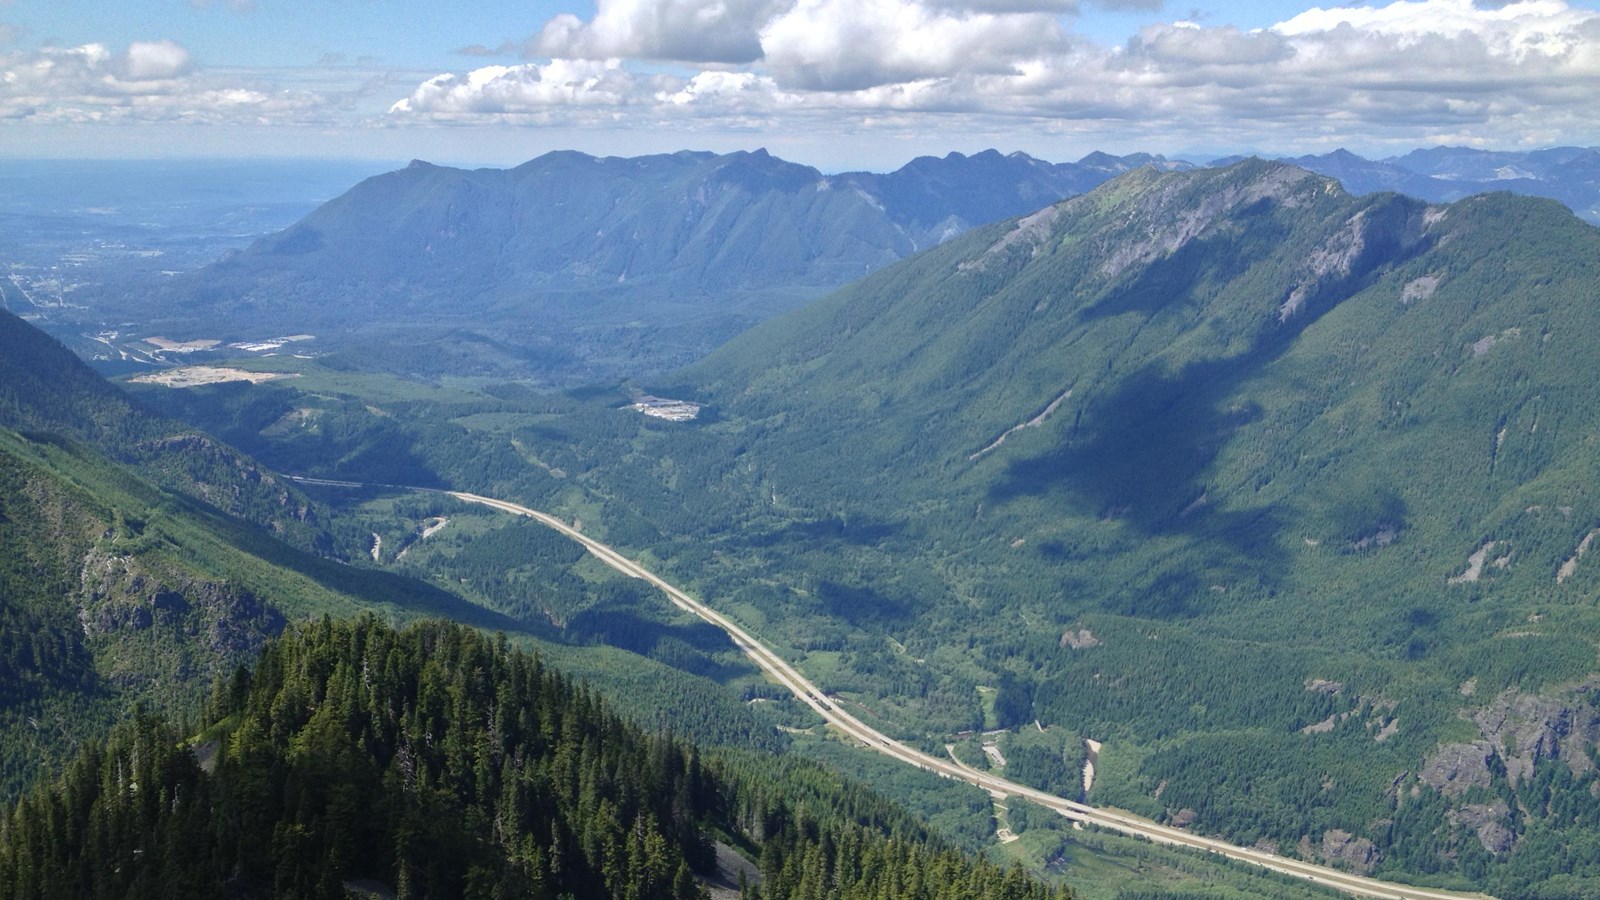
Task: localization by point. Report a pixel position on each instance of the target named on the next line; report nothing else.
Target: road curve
(1125, 823)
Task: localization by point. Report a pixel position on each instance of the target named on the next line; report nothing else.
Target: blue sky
(837, 83)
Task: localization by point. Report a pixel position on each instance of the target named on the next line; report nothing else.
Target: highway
(813, 696)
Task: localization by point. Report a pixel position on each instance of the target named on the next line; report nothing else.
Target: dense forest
(436, 761)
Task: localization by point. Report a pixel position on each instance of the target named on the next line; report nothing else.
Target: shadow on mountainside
(1142, 451)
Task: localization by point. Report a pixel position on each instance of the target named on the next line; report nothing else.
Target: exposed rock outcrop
(173, 624)
(1525, 730)
(1454, 769)
(1344, 849)
(1491, 822)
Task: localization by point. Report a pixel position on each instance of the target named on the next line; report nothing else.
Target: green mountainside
(125, 601)
(435, 762)
(45, 388)
(121, 580)
(113, 589)
(1283, 494)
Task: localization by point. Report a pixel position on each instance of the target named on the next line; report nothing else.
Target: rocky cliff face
(1520, 734)
(152, 625)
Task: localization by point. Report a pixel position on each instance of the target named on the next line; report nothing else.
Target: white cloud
(1412, 72)
(1409, 72)
(528, 91)
(1059, 7)
(1186, 44)
(150, 81)
(714, 31)
(842, 45)
(154, 60)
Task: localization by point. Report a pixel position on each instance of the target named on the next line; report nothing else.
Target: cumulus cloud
(841, 45)
(154, 60)
(1410, 71)
(706, 31)
(1187, 44)
(1417, 71)
(531, 90)
(1059, 7)
(149, 81)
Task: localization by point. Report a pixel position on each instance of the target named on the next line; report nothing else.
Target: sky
(840, 84)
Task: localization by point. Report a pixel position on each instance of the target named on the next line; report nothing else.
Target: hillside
(45, 388)
(436, 762)
(123, 576)
(588, 267)
(1283, 493)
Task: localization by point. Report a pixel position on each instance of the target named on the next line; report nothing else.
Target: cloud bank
(159, 83)
(1415, 70)
(1405, 73)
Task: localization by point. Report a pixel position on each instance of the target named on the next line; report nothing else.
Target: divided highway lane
(812, 696)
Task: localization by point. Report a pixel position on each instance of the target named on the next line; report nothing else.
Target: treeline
(438, 762)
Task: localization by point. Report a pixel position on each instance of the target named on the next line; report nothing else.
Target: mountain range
(1568, 174)
(1211, 462)
(572, 268)
(577, 267)
(1281, 492)
(452, 764)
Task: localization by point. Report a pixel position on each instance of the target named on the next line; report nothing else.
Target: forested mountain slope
(112, 590)
(46, 389)
(436, 762)
(114, 587)
(586, 266)
(1287, 492)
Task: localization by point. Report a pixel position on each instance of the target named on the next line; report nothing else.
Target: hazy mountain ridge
(589, 267)
(598, 268)
(1442, 174)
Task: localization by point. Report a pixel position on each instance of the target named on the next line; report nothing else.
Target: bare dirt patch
(1419, 288)
(1034, 422)
(1570, 567)
(1474, 565)
(1090, 757)
(194, 376)
(171, 346)
(1082, 639)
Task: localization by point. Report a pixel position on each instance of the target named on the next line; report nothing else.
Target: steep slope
(44, 388)
(116, 588)
(934, 199)
(434, 762)
(586, 266)
(1288, 489)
